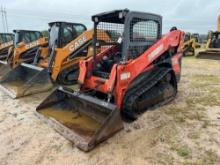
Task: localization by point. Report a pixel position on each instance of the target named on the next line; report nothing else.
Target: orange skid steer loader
(58, 63)
(137, 70)
(26, 44)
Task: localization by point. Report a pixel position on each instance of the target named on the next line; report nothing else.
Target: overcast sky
(193, 16)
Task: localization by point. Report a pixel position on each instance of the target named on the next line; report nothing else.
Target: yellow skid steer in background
(212, 49)
(192, 42)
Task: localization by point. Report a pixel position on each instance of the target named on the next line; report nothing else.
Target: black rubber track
(64, 76)
(151, 86)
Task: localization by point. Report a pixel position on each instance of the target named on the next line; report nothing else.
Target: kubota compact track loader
(58, 63)
(137, 70)
(212, 49)
(26, 44)
(6, 41)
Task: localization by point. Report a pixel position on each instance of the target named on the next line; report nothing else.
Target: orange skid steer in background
(57, 63)
(137, 69)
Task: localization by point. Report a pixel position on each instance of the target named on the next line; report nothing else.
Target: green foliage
(183, 151)
(45, 33)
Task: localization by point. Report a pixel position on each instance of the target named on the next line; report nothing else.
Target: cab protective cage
(125, 23)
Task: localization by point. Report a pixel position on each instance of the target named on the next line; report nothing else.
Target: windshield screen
(53, 36)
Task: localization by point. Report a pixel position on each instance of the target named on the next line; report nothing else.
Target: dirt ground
(187, 131)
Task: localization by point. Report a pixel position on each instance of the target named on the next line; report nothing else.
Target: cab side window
(71, 32)
(38, 35)
(9, 38)
(68, 34)
(26, 37)
(79, 29)
(31, 36)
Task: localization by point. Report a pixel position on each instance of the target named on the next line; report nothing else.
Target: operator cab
(26, 36)
(131, 34)
(196, 37)
(187, 37)
(62, 33)
(215, 40)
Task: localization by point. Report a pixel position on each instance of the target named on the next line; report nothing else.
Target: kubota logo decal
(6, 44)
(78, 43)
(125, 76)
(32, 44)
(153, 54)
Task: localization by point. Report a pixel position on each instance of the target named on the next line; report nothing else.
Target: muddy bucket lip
(13, 93)
(31, 66)
(3, 62)
(67, 133)
(112, 123)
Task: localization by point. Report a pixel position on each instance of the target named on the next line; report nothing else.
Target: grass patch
(190, 112)
(210, 100)
(208, 78)
(173, 110)
(193, 135)
(190, 103)
(180, 118)
(183, 151)
(195, 115)
(205, 124)
(210, 97)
